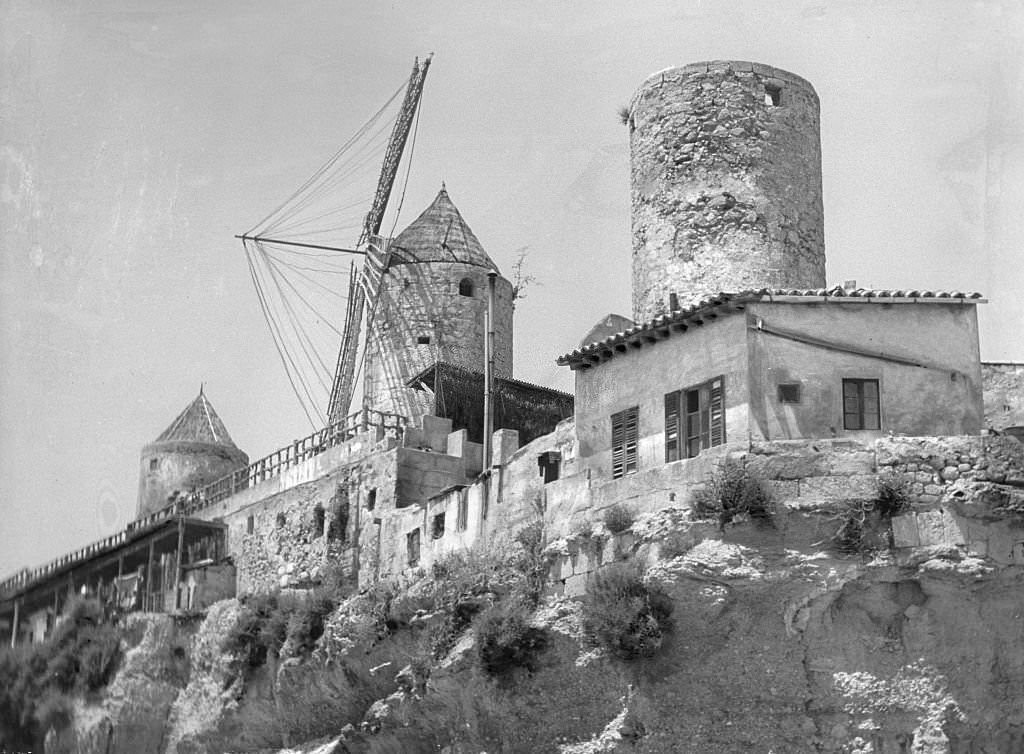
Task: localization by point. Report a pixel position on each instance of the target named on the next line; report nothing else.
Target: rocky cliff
(832, 625)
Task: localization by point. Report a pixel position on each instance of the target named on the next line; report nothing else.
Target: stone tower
(725, 184)
(191, 453)
(431, 308)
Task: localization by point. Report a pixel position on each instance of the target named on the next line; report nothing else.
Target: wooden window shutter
(717, 411)
(672, 426)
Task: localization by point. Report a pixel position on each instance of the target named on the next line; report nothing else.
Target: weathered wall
(422, 300)
(1003, 385)
(942, 399)
(682, 360)
(167, 468)
(726, 189)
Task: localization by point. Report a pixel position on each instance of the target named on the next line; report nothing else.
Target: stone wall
(421, 302)
(1004, 394)
(726, 184)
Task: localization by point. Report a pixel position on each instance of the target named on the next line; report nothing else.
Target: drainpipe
(489, 371)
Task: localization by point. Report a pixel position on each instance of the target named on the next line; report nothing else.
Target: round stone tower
(431, 309)
(726, 184)
(191, 453)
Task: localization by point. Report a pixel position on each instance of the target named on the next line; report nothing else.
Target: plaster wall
(1003, 394)
(167, 468)
(725, 187)
(423, 301)
(680, 361)
(941, 398)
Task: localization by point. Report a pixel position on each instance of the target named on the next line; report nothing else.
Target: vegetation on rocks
(624, 615)
(855, 522)
(278, 624)
(732, 491)
(618, 518)
(80, 657)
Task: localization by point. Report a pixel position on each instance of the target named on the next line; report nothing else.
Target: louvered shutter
(717, 411)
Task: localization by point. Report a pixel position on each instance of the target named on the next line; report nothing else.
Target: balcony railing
(265, 468)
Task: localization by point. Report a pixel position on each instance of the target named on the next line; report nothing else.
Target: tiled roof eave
(727, 303)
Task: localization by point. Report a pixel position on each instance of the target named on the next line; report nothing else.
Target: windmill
(279, 278)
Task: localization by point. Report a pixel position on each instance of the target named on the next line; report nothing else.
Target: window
(437, 527)
(371, 499)
(549, 463)
(280, 520)
(772, 95)
(624, 441)
(466, 287)
(860, 404)
(694, 419)
(153, 464)
(318, 521)
(250, 524)
(423, 340)
(789, 392)
(412, 547)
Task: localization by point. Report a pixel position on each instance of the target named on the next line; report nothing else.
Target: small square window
(789, 392)
(772, 95)
(154, 464)
(423, 340)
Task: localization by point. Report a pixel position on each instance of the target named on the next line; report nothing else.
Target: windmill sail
(286, 253)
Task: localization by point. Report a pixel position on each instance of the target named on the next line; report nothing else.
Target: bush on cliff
(277, 624)
(80, 656)
(732, 491)
(624, 615)
(505, 640)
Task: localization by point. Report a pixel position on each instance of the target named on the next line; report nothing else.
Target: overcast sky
(138, 136)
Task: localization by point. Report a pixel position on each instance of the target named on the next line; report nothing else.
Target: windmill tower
(430, 308)
(192, 452)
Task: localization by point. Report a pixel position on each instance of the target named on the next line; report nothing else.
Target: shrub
(505, 640)
(891, 496)
(618, 518)
(624, 615)
(732, 491)
(79, 656)
(852, 534)
(531, 563)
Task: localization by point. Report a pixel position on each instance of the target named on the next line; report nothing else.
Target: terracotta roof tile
(707, 306)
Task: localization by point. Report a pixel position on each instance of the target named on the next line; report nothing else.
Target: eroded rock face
(780, 643)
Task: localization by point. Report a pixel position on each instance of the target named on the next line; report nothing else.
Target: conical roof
(439, 234)
(198, 423)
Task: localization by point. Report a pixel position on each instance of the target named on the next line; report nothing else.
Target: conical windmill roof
(439, 234)
(198, 423)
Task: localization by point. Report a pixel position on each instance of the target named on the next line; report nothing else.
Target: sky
(138, 136)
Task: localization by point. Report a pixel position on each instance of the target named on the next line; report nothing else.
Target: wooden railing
(265, 468)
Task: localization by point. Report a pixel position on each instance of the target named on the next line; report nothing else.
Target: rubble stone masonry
(726, 184)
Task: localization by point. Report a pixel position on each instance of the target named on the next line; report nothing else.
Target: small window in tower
(153, 464)
(423, 340)
(280, 520)
(466, 287)
(789, 392)
(772, 95)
